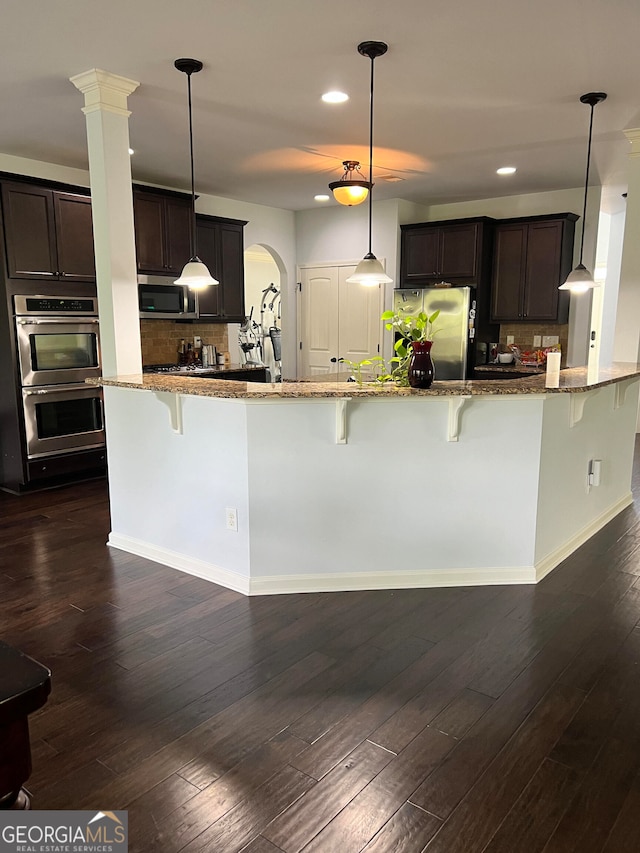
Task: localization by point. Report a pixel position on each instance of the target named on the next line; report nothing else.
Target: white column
(105, 97)
(627, 334)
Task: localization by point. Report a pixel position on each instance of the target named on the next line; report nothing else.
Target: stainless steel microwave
(162, 299)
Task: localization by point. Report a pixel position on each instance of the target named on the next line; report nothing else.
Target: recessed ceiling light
(321, 197)
(130, 151)
(391, 179)
(335, 97)
(506, 170)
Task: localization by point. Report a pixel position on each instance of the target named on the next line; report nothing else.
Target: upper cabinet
(532, 257)
(48, 234)
(220, 244)
(456, 251)
(162, 223)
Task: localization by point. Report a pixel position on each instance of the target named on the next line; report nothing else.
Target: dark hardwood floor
(476, 720)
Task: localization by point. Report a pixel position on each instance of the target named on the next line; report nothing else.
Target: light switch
(510, 340)
(537, 341)
(550, 340)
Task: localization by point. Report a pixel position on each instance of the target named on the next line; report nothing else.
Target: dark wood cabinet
(163, 231)
(48, 234)
(450, 251)
(220, 244)
(532, 258)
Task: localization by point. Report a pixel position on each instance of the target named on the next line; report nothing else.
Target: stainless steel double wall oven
(58, 344)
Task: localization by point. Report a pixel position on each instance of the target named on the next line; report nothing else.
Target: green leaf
(387, 315)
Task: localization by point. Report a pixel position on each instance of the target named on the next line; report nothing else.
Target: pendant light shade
(580, 279)
(351, 189)
(369, 271)
(195, 274)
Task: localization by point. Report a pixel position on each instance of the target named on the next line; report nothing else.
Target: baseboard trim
(174, 560)
(546, 565)
(346, 582)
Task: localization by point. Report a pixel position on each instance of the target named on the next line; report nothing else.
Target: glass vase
(421, 370)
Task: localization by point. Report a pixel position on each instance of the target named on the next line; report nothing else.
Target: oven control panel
(59, 305)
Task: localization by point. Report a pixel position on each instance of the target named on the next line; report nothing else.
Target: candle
(553, 370)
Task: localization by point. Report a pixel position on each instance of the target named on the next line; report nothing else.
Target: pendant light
(580, 279)
(195, 274)
(369, 271)
(351, 189)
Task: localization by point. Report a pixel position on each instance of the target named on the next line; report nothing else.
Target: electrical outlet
(537, 341)
(510, 340)
(231, 514)
(550, 340)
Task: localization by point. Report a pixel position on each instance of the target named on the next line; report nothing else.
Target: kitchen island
(326, 486)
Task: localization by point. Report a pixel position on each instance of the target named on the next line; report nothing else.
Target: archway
(259, 337)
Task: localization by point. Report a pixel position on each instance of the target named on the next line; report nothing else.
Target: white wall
(340, 235)
(46, 171)
(612, 259)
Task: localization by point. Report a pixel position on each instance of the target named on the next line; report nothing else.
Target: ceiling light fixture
(335, 97)
(370, 271)
(580, 279)
(195, 274)
(506, 170)
(351, 189)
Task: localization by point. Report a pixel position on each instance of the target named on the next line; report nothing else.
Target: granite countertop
(573, 380)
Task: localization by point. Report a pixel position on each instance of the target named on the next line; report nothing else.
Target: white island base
(366, 493)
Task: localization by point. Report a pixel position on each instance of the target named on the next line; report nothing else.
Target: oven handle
(56, 389)
(67, 321)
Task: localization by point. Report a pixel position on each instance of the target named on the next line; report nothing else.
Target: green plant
(409, 328)
(379, 371)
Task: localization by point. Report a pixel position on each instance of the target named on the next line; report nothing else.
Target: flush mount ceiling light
(506, 170)
(335, 97)
(351, 189)
(580, 279)
(195, 274)
(369, 271)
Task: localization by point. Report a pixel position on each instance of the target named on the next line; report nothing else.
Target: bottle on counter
(182, 349)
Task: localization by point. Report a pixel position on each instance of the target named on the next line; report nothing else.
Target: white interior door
(337, 320)
(359, 310)
(318, 320)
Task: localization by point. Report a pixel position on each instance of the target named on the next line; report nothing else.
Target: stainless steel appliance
(58, 344)
(162, 299)
(62, 418)
(58, 339)
(455, 326)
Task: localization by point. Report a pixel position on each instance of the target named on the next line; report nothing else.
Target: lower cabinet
(220, 245)
(532, 257)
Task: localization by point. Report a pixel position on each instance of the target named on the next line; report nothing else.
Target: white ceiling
(465, 87)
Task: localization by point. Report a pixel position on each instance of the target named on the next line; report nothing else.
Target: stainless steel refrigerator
(454, 328)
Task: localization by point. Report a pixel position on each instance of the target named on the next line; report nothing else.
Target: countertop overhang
(572, 380)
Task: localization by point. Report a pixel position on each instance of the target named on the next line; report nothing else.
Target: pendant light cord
(586, 184)
(194, 249)
(371, 154)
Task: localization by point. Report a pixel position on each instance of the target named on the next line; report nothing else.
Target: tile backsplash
(160, 339)
(523, 334)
